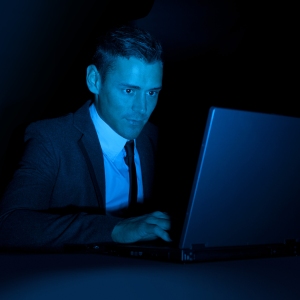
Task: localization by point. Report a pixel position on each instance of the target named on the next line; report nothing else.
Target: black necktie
(129, 160)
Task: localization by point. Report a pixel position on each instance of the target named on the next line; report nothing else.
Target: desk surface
(85, 276)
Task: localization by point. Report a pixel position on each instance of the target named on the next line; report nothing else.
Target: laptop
(245, 197)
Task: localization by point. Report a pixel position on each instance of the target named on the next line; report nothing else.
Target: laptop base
(198, 254)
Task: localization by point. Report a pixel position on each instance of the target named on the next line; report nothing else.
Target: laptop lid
(246, 189)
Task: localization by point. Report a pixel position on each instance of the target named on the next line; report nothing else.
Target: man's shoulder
(148, 137)
(60, 125)
(52, 122)
(50, 127)
(150, 130)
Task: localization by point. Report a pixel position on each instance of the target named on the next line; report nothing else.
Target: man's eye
(152, 93)
(128, 91)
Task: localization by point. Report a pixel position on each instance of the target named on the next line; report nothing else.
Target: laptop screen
(246, 189)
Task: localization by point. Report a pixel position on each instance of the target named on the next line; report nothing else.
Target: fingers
(147, 227)
(161, 222)
(159, 214)
(159, 232)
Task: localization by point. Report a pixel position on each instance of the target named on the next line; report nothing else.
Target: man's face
(129, 94)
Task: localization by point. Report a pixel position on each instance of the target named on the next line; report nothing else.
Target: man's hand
(143, 228)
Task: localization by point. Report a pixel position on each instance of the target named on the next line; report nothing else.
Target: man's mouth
(135, 122)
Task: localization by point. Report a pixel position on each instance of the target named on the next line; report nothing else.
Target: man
(73, 182)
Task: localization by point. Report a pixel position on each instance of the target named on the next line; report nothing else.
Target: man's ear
(93, 79)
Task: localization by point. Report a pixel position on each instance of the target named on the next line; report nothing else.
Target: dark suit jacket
(57, 195)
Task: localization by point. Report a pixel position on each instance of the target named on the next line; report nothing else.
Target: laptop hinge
(291, 242)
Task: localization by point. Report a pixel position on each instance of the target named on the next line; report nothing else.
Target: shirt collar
(111, 142)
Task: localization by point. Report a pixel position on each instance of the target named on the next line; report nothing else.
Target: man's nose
(140, 104)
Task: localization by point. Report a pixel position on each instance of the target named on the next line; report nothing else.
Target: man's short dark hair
(125, 41)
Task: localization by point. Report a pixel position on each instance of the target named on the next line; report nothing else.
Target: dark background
(218, 53)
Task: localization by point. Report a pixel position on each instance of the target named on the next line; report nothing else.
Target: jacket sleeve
(27, 217)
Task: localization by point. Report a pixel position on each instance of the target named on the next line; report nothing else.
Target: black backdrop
(218, 53)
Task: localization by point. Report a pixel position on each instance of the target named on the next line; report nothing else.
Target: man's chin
(132, 134)
(131, 129)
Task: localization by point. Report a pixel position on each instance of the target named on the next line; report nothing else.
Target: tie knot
(129, 148)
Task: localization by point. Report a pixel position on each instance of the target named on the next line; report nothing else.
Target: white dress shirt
(116, 170)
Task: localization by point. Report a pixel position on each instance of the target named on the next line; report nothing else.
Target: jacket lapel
(92, 152)
(146, 152)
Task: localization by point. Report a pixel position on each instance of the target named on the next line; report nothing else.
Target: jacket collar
(91, 150)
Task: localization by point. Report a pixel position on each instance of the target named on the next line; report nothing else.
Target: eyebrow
(125, 85)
